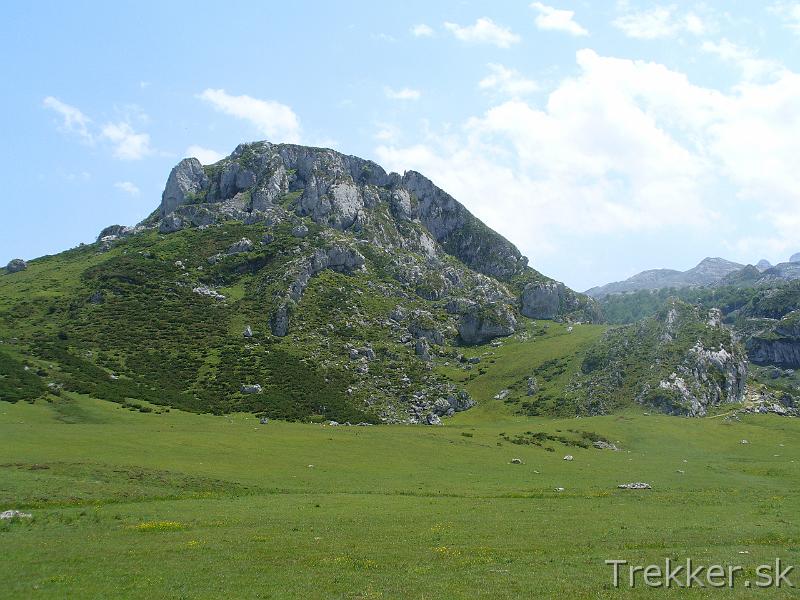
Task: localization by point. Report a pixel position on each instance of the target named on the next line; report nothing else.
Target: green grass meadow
(179, 505)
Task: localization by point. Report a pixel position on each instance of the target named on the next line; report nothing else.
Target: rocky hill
(682, 361)
(285, 280)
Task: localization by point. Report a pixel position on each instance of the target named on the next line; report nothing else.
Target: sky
(602, 138)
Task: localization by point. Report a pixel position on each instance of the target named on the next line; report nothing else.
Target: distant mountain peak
(708, 271)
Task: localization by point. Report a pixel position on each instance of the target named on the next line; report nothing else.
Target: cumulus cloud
(72, 119)
(276, 121)
(205, 155)
(402, 94)
(127, 187)
(659, 22)
(506, 81)
(128, 144)
(554, 19)
(624, 147)
(422, 30)
(484, 31)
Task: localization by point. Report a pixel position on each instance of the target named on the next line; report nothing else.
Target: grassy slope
(387, 511)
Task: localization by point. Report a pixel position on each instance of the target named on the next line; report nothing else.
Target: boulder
(243, 245)
(569, 458)
(248, 332)
(637, 485)
(516, 461)
(300, 231)
(171, 223)
(251, 388)
(16, 265)
(433, 419)
(8, 515)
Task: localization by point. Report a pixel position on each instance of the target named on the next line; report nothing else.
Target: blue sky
(603, 138)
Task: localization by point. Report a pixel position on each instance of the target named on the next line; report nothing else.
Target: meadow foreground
(178, 505)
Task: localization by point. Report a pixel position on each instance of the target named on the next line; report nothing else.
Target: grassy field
(179, 505)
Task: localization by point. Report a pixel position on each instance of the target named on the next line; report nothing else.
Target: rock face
(778, 345)
(273, 183)
(484, 324)
(795, 258)
(16, 265)
(541, 300)
(185, 182)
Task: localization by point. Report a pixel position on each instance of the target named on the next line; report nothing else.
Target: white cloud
(744, 58)
(506, 81)
(206, 156)
(626, 146)
(128, 144)
(402, 94)
(275, 120)
(422, 30)
(659, 22)
(789, 13)
(127, 187)
(73, 120)
(484, 31)
(555, 19)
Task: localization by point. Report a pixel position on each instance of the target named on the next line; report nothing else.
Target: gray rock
(637, 485)
(569, 458)
(486, 323)
(8, 515)
(502, 394)
(516, 461)
(267, 239)
(243, 245)
(533, 386)
(16, 265)
(207, 291)
(541, 300)
(114, 232)
(433, 419)
(300, 231)
(422, 349)
(96, 297)
(442, 407)
(280, 321)
(263, 421)
(248, 332)
(603, 445)
(185, 180)
(795, 258)
(251, 388)
(171, 223)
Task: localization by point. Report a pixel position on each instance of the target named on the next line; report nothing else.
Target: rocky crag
(295, 282)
